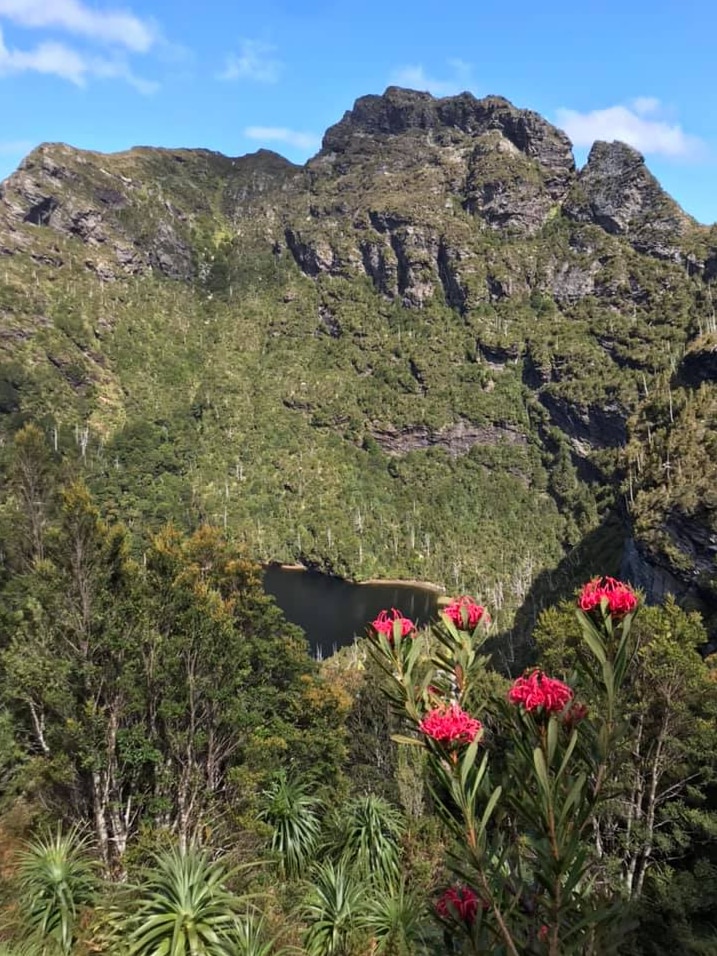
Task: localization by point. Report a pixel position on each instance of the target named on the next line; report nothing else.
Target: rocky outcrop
(689, 570)
(380, 265)
(71, 193)
(312, 256)
(651, 577)
(400, 111)
(129, 222)
(457, 439)
(590, 427)
(616, 191)
(509, 189)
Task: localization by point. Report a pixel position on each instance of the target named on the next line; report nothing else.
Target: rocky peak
(400, 111)
(135, 210)
(617, 191)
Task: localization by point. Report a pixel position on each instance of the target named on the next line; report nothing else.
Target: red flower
(460, 902)
(620, 597)
(391, 626)
(465, 613)
(537, 691)
(450, 725)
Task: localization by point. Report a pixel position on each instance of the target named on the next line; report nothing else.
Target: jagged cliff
(438, 280)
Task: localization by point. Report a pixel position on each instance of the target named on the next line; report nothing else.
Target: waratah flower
(465, 613)
(620, 597)
(459, 902)
(392, 625)
(538, 691)
(450, 725)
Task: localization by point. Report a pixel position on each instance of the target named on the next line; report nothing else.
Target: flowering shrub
(450, 725)
(619, 597)
(465, 613)
(523, 828)
(393, 625)
(459, 902)
(537, 691)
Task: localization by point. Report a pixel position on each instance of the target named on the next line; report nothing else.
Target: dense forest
(179, 776)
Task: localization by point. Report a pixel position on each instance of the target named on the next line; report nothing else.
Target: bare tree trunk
(651, 810)
(99, 807)
(635, 809)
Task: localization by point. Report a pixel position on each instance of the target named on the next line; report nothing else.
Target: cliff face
(438, 279)
(616, 191)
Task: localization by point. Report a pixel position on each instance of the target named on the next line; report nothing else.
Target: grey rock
(616, 191)
(457, 439)
(590, 428)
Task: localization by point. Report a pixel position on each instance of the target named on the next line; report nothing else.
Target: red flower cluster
(620, 597)
(537, 691)
(385, 624)
(460, 902)
(450, 725)
(465, 613)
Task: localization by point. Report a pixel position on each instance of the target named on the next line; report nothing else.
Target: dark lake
(333, 612)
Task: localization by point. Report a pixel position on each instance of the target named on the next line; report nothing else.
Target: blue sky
(234, 76)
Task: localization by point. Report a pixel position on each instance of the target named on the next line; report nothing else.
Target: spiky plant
(291, 812)
(26, 949)
(335, 912)
(397, 922)
(367, 838)
(57, 879)
(184, 908)
(251, 940)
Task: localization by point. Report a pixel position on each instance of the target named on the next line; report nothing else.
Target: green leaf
(593, 638)
(552, 739)
(568, 753)
(409, 741)
(490, 807)
(541, 771)
(573, 798)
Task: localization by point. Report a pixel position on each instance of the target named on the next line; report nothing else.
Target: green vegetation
(57, 880)
(177, 775)
(421, 356)
(229, 352)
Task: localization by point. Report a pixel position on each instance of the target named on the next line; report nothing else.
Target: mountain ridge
(436, 281)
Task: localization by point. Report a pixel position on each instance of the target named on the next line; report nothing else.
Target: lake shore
(372, 582)
(402, 582)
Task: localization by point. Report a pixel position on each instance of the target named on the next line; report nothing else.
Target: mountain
(436, 350)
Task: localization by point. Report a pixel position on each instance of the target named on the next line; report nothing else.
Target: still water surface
(333, 612)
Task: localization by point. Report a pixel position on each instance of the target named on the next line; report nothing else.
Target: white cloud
(49, 57)
(641, 124)
(415, 77)
(107, 26)
(254, 61)
(645, 105)
(280, 134)
(119, 70)
(56, 59)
